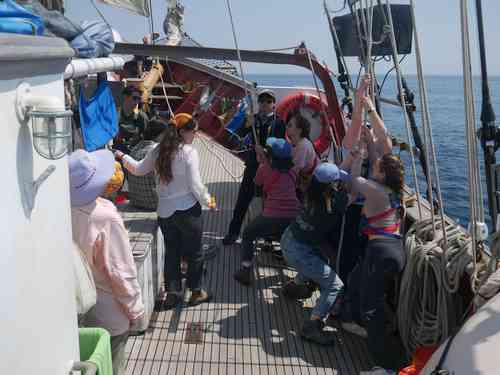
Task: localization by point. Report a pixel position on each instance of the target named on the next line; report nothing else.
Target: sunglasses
(268, 101)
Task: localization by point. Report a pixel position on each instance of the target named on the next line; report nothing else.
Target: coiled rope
(428, 308)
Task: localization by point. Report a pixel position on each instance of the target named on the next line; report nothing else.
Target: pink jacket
(99, 231)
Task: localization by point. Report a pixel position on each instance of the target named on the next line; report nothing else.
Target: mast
(488, 132)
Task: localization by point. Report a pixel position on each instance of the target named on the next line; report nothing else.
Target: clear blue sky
(266, 24)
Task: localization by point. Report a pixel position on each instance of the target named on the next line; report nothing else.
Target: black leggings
(261, 227)
(182, 234)
(384, 259)
(246, 193)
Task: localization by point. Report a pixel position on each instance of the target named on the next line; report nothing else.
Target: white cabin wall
(38, 323)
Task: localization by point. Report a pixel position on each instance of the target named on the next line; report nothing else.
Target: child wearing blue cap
(325, 203)
(278, 181)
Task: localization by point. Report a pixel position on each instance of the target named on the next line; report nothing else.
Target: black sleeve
(243, 131)
(279, 128)
(145, 119)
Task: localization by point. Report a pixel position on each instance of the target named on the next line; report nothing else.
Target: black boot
(292, 290)
(312, 330)
(171, 301)
(244, 275)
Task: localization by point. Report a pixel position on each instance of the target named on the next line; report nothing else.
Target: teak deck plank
(252, 331)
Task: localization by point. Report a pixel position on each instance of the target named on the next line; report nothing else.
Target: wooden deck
(245, 330)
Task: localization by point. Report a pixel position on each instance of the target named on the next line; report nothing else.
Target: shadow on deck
(246, 330)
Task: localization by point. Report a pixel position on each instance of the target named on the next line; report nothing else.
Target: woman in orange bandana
(181, 194)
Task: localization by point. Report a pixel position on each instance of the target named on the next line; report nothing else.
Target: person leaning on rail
(180, 196)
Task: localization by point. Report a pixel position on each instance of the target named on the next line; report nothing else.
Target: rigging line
(470, 131)
(220, 158)
(336, 44)
(366, 9)
(403, 106)
(359, 75)
(427, 130)
(151, 22)
(387, 75)
(366, 34)
(166, 96)
(488, 128)
(354, 13)
(338, 10)
(277, 49)
(323, 109)
(101, 15)
(228, 2)
(344, 77)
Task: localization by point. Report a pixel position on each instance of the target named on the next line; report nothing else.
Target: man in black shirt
(133, 121)
(267, 124)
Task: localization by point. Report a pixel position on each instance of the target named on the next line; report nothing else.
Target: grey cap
(267, 92)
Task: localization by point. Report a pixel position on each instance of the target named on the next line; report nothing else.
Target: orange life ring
(305, 100)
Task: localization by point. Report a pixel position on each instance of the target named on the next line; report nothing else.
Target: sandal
(199, 296)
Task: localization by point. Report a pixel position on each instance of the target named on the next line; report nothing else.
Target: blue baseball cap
(328, 172)
(280, 148)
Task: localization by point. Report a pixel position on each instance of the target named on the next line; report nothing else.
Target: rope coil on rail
(428, 303)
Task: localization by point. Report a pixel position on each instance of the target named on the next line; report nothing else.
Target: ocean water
(446, 103)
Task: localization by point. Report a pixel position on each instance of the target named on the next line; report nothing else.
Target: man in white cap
(267, 124)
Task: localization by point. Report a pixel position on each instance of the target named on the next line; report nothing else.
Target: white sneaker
(378, 371)
(354, 329)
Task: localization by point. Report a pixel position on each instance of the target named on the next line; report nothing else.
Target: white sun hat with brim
(89, 173)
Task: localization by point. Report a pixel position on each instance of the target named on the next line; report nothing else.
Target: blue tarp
(238, 119)
(16, 19)
(98, 117)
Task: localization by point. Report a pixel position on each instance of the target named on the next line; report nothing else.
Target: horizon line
(407, 74)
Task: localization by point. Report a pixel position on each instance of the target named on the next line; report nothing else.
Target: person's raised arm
(354, 132)
(382, 139)
(352, 164)
(138, 168)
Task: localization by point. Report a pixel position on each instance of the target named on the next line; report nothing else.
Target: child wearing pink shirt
(278, 181)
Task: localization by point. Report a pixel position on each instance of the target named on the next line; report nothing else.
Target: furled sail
(137, 6)
(172, 26)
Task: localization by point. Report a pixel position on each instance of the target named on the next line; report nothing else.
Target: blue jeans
(310, 265)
